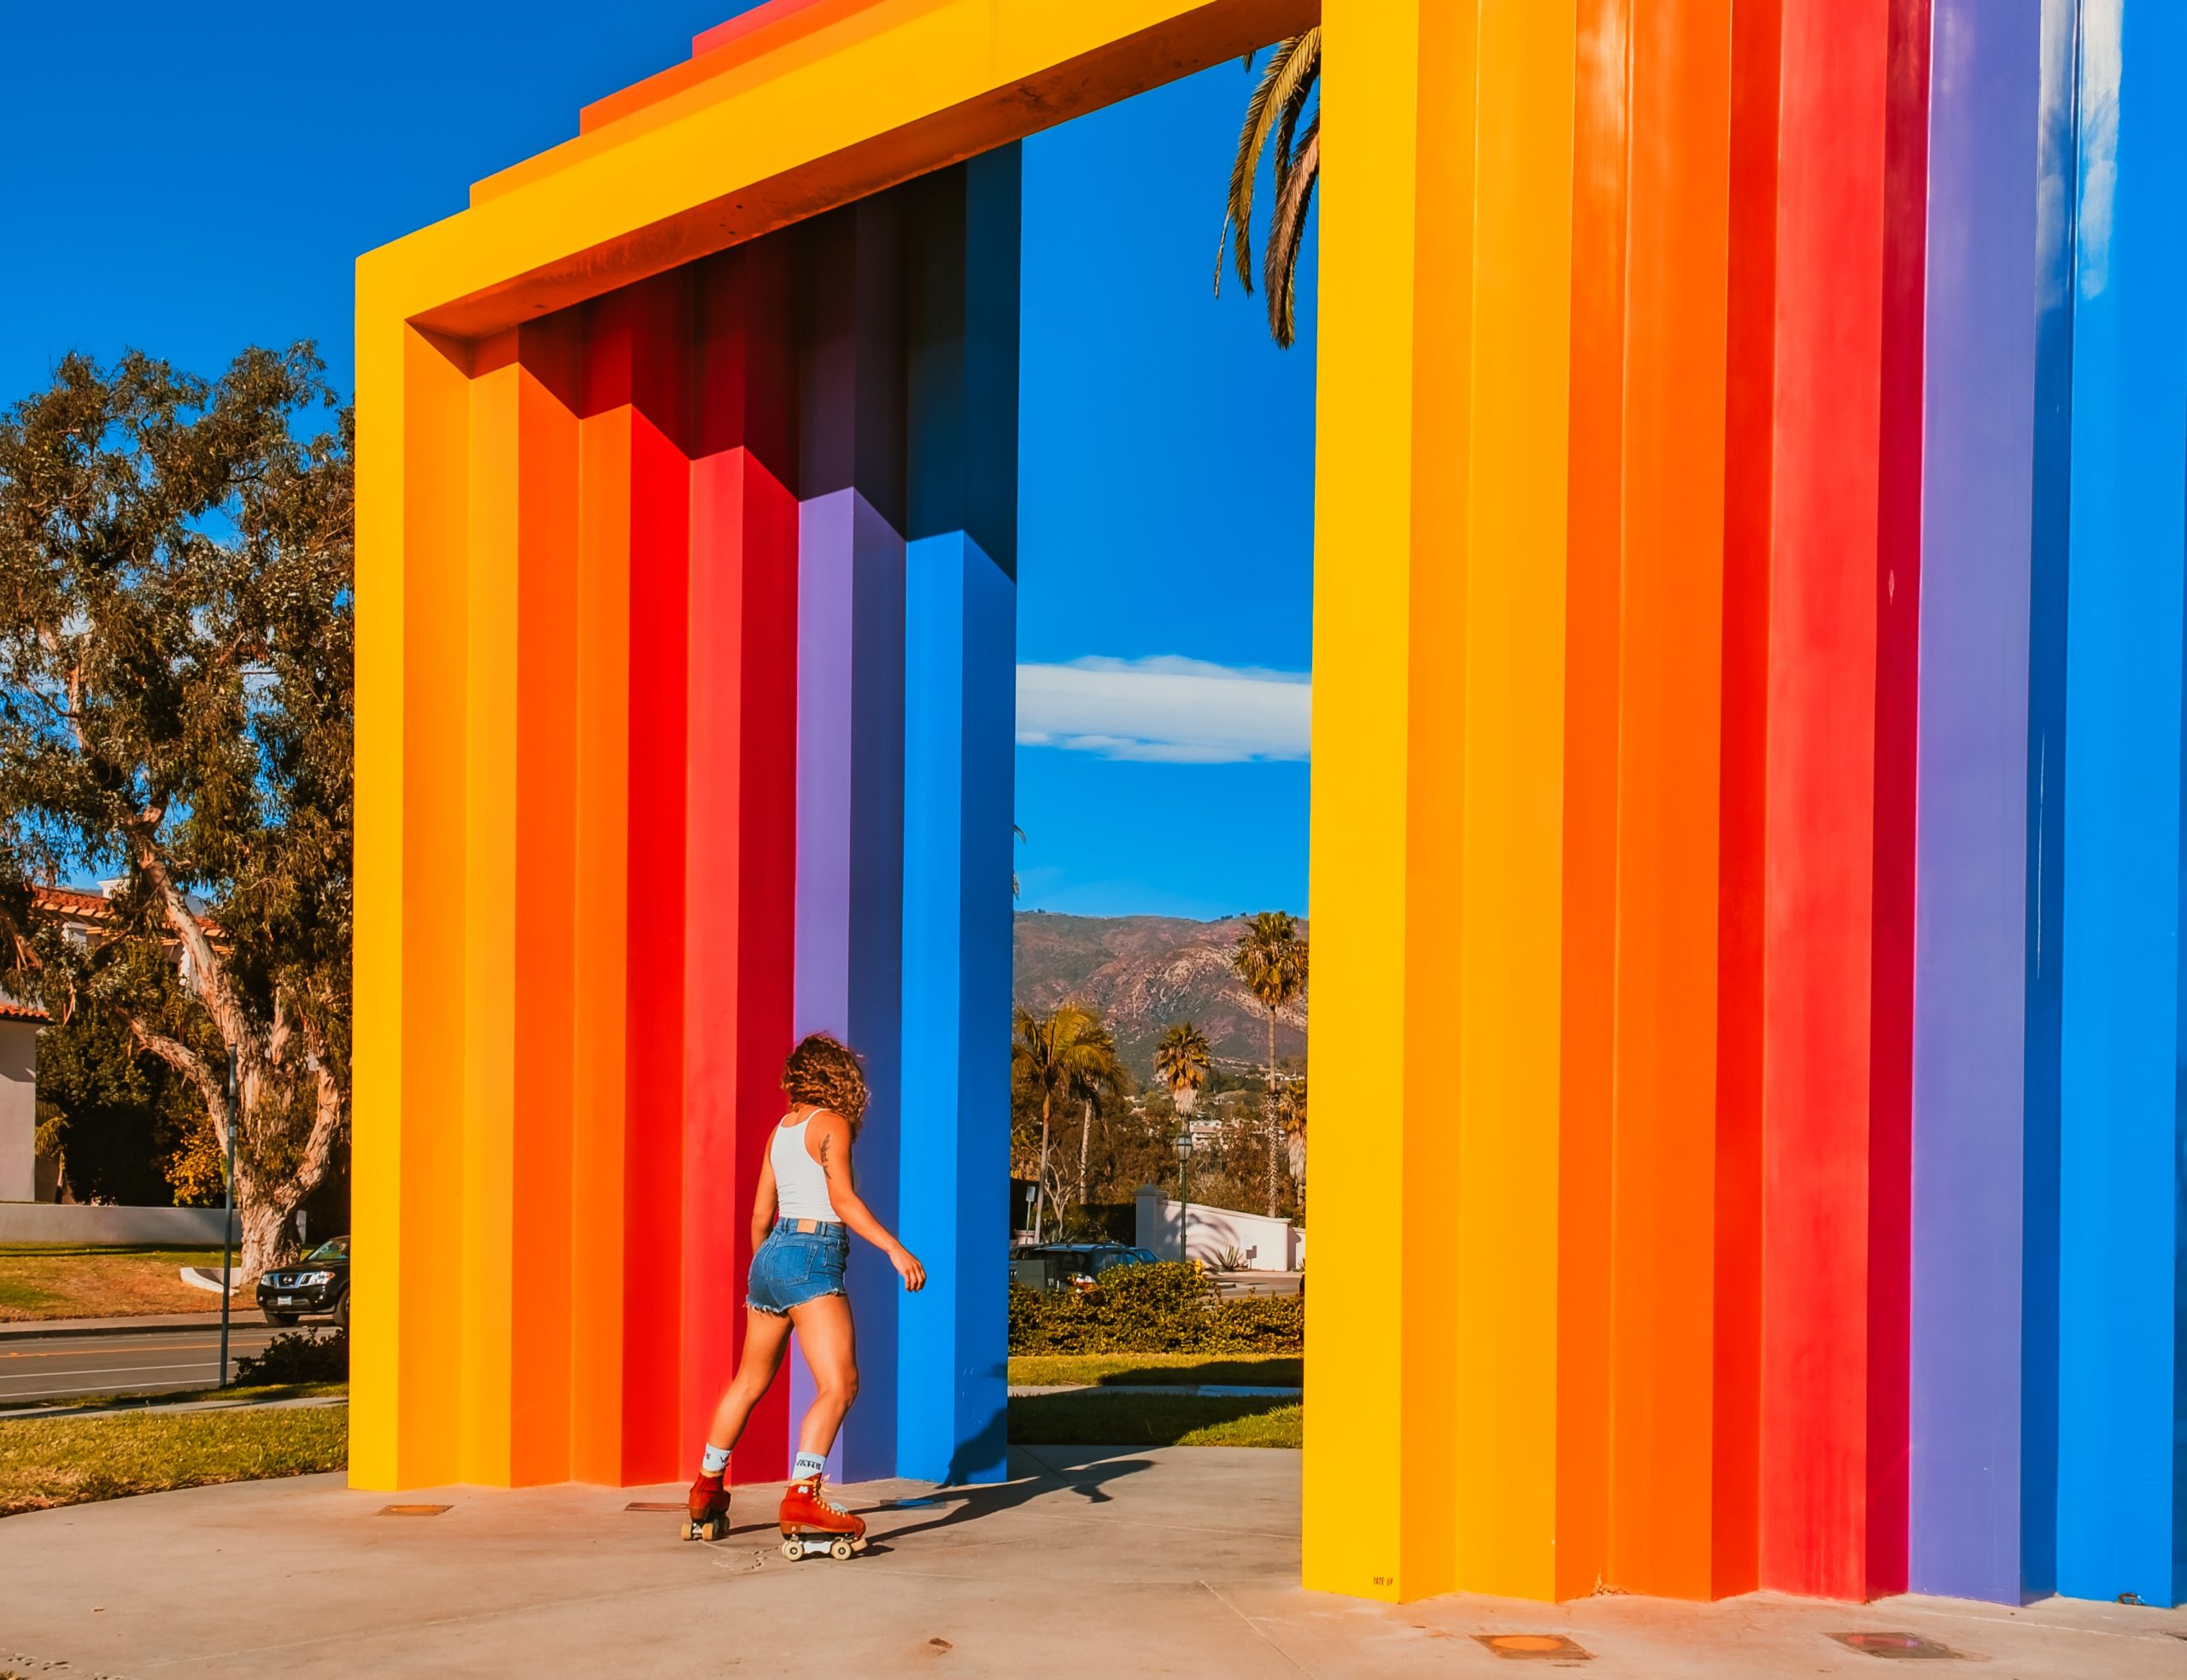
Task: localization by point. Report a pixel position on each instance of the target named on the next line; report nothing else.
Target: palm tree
(1181, 1062)
(1286, 88)
(1271, 959)
(1064, 1054)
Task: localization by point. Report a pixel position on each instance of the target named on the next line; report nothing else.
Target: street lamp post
(1184, 1147)
(228, 1226)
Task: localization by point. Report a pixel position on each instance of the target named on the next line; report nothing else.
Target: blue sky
(190, 180)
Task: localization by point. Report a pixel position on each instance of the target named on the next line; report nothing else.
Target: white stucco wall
(1268, 1245)
(75, 1222)
(18, 1111)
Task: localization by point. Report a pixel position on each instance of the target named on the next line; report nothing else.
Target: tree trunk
(1274, 1120)
(1041, 1177)
(1085, 1133)
(265, 1224)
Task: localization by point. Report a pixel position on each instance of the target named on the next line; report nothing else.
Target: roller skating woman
(807, 1207)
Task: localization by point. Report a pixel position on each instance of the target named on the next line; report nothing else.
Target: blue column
(2058, 151)
(959, 673)
(2119, 1159)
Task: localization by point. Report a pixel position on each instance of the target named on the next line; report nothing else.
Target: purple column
(850, 743)
(1971, 952)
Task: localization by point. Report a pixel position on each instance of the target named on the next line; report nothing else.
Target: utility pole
(228, 1226)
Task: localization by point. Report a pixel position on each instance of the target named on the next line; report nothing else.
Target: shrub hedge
(299, 1356)
(1153, 1310)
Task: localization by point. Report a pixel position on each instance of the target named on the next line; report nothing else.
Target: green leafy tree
(175, 714)
(1271, 959)
(1064, 1056)
(1281, 102)
(118, 1117)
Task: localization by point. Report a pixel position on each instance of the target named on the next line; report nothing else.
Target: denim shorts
(793, 1266)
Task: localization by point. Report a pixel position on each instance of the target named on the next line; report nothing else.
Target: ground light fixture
(1535, 1647)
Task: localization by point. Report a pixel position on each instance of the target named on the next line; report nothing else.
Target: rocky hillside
(1144, 972)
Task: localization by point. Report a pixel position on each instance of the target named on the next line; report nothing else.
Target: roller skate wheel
(792, 1550)
(841, 1550)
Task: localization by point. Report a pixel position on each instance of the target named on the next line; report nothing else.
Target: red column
(1838, 817)
(740, 856)
(1750, 405)
(637, 356)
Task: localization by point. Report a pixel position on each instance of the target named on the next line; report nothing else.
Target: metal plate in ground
(1900, 1647)
(411, 1510)
(682, 1506)
(1539, 1646)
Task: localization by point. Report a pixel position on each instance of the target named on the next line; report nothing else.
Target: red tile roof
(12, 1011)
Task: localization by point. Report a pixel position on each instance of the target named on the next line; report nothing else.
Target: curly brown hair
(826, 1072)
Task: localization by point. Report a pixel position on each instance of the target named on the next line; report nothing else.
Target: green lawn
(1096, 1420)
(64, 1280)
(48, 1461)
(1182, 1370)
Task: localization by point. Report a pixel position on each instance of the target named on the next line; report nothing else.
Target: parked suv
(317, 1286)
(1074, 1265)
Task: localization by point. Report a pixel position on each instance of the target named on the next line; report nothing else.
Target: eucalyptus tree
(176, 699)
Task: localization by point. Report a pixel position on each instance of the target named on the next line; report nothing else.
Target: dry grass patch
(61, 1280)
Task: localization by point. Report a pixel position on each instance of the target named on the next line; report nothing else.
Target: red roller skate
(810, 1523)
(709, 1518)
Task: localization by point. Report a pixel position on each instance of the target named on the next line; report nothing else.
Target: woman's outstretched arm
(829, 1138)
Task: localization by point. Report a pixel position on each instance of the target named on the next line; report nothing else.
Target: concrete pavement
(1089, 1561)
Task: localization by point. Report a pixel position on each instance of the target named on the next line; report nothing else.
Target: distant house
(84, 917)
(18, 1028)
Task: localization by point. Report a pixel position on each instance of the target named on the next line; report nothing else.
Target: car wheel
(272, 1317)
(342, 1314)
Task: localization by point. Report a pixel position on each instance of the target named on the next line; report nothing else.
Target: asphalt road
(44, 1370)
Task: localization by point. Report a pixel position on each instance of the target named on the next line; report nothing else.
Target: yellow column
(413, 492)
(1438, 827)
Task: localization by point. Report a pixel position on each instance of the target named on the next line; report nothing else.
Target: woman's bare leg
(765, 1337)
(823, 1331)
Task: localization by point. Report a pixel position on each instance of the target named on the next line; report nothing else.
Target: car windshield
(336, 1250)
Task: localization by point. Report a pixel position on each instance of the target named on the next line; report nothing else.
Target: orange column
(1662, 1258)
(487, 971)
(543, 872)
(1595, 516)
(601, 776)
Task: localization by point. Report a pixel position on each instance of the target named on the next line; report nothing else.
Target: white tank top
(800, 1185)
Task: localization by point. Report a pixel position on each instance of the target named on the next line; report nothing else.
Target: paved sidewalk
(134, 1324)
(1089, 1562)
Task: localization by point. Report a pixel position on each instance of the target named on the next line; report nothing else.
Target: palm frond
(1286, 230)
(1292, 66)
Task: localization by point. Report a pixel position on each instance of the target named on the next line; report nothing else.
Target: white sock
(716, 1461)
(807, 1465)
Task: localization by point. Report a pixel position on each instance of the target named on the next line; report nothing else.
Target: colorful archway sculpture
(1752, 499)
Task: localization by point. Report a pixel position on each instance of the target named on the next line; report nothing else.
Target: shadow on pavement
(969, 1504)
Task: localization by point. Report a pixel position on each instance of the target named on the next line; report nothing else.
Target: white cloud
(1166, 710)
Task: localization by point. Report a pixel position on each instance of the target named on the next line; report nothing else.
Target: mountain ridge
(1144, 972)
